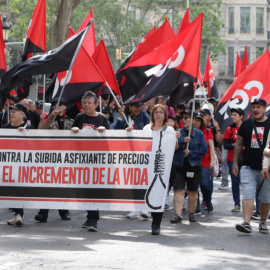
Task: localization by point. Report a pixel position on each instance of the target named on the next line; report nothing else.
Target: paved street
(121, 243)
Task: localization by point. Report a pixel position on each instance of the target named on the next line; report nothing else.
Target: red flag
(237, 66)
(180, 67)
(200, 80)
(89, 43)
(141, 70)
(244, 60)
(185, 21)
(3, 65)
(36, 33)
(253, 82)
(84, 75)
(102, 60)
(209, 79)
(70, 32)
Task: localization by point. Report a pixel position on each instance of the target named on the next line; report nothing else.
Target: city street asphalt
(121, 243)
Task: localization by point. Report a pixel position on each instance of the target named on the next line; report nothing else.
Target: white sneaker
(223, 187)
(134, 214)
(18, 220)
(236, 208)
(145, 214)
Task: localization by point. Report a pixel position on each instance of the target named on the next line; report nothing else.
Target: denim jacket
(197, 148)
(139, 121)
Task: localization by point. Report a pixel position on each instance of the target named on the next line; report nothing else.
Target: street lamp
(6, 29)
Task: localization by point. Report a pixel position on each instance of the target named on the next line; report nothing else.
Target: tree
(122, 24)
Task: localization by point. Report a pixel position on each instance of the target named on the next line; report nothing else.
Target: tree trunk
(59, 30)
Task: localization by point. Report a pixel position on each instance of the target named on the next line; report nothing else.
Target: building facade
(247, 24)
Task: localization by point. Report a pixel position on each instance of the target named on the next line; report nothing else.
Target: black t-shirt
(8, 125)
(33, 118)
(95, 121)
(252, 153)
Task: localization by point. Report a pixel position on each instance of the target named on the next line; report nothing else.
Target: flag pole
(43, 98)
(72, 62)
(100, 107)
(116, 101)
(192, 112)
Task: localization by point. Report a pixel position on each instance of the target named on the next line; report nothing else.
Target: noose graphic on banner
(159, 167)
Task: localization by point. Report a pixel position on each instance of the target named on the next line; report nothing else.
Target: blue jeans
(206, 185)
(235, 185)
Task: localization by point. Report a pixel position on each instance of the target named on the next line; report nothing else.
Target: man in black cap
(252, 137)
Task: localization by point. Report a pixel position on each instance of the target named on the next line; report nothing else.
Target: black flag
(54, 61)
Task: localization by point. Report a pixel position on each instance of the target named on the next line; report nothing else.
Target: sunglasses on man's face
(186, 117)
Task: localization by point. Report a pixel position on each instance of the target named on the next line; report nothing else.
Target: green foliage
(212, 24)
(123, 23)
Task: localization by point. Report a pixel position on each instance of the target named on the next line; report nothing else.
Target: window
(230, 60)
(259, 20)
(231, 20)
(259, 51)
(244, 20)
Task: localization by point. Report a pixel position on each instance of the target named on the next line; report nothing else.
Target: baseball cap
(19, 107)
(238, 110)
(186, 112)
(206, 111)
(39, 104)
(198, 115)
(259, 101)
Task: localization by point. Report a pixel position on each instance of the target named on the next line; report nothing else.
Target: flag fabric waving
(141, 70)
(56, 60)
(36, 33)
(252, 83)
(152, 41)
(185, 21)
(89, 43)
(244, 64)
(209, 79)
(238, 65)
(3, 65)
(84, 76)
(180, 67)
(102, 60)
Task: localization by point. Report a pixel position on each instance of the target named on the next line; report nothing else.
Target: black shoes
(191, 217)
(155, 229)
(176, 219)
(40, 218)
(66, 217)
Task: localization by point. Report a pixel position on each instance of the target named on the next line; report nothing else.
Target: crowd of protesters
(200, 149)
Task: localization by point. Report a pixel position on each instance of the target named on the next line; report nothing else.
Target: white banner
(113, 170)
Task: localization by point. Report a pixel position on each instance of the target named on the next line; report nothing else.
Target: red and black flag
(36, 33)
(56, 60)
(89, 42)
(252, 83)
(156, 38)
(3, 65)
(209, 79)
(102, 60)
(84, 76)
(181, 65)
(244, 64)
(238, 65)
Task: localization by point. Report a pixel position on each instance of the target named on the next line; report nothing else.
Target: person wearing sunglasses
(187, 161)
